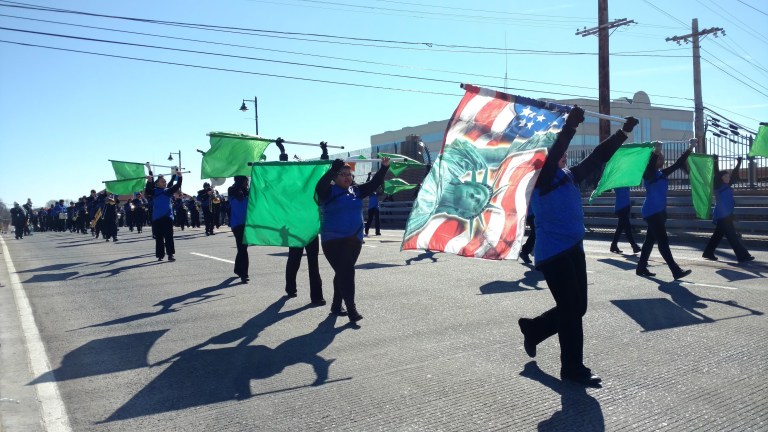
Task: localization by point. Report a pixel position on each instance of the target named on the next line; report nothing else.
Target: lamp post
(244, 108)
(170, 157)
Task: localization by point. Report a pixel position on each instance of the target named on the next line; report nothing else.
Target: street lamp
(170, 157)
(244, 108)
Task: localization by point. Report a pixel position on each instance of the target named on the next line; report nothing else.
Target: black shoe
(643, 271)
(171, 258)
(159, 258)
(526, 259)
(680, 273)
(320, 302)
(378, 233)
(291, 295)
(636, 249)
(584, 377)
(615, 249)
(710, 257)
(746, 259)
(338, 310)
(525, 328)
(244, 279)
(354, 316)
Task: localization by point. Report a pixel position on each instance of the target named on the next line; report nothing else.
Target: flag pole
(288, 142)
(139, 163)
(140, 178)
(605, 117)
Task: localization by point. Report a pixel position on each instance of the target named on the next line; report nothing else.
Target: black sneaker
(615, 249)
(526, 259)
(525, 327)
(680, 273)
(171, 258)
(746, 259)
(584, 377)
(710, 257)
(338, 310)
(643, 271)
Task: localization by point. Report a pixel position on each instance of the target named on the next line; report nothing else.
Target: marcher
(205, 196)
(109, 216)
(238, 196)
(622, 209)
(139, 212)
(373, 214)
(341, 228)
(162, 213)
(723, 217)
(527, 248)
(559, 248)
(27, 207)
(654, 210)
(18, 220)
(292, 269)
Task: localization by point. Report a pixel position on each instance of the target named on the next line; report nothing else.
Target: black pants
(566, 277)
(342, 255)
(241, 259)
(208, 220)
(624, 226)
(725, 227)
(657, 232)
(163, 231)
(373, 217)
(292, 269)
(531, 240)
(19, 230)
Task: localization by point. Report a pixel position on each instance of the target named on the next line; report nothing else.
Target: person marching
(109, 217)
(162, 213)
(723, 216)
(238, 198)
(622, 210)
(559, 248)
(527, 247)
(205, 196)
(82, 215)
(139, 212)
(654, 210)
(18, 220)
(373, 213)
(194, 212)
(341, 228)
(28, 209)
(180, 208)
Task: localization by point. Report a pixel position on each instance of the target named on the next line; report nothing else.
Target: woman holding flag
(341, 228)
(559, 250)
(162, 213)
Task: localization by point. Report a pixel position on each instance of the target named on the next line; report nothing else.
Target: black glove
(337, 165)
(630, 124)
(283, 157)
(575, 117)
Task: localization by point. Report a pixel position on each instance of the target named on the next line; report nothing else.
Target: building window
(677, 125)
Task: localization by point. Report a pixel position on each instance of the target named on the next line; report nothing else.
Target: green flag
(127, 170)
(397, 167)
(125, 187)
(230, 153)
(760, 145)
(281, 206)
(701, 172)
(396, 185)
(625, 169)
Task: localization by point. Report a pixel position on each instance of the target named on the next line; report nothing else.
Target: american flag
(474, 201)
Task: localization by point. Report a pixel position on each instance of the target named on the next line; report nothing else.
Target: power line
(748, 5)
(727, 73)
(734, 69)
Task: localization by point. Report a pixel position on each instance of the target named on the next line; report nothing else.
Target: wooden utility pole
(698, 105)
(603, 53)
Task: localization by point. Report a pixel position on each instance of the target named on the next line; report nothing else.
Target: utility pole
(603, 53)
(698, 105)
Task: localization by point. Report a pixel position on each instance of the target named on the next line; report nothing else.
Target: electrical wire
(748, 5)
(734, 69)
(727, 73)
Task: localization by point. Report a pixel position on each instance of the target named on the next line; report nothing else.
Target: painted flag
(760, 145)
(130, 178)
(396, 185)
(625, 169)
(474, 200)
(402, 163)
(230, 153)
(281, 206)
(701, 172)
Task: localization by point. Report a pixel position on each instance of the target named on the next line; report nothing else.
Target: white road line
(212, 257)
(708, 286)
(52, 410)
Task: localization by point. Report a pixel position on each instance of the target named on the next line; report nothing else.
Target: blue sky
(64, 114)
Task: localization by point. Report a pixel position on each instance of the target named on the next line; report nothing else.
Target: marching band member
(162, 213)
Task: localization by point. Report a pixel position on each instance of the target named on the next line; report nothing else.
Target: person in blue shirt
(161, 198)
(559, 249)
(723, 217)
(341, 228)
(654, 210)
(622, 209)
(373, 213)
(238, 200)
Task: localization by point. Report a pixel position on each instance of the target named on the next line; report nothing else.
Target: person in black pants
(622, 209)
(162, 213)
(723, 217)
(292, 269)
(18, 220)
(373, 214)
(205, 196)
(559, 249)
(527, 248)
(654, 210)
(341, 228)
(238, 198)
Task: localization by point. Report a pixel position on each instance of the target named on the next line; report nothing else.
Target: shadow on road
(529, 282)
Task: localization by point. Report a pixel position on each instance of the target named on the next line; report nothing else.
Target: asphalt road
(137, 345)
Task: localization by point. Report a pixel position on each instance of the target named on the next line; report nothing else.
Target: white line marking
(367, 245)
(212, 257)
(52, 410)
(708, 286)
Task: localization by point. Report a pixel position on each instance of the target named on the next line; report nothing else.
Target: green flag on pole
(230, 153)
(396, 185)
(701, 172)
(281, 206)
(760, 145)
(125, 187)
(127, 170)
(130, 178)
(625, 169)
(397, 167)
